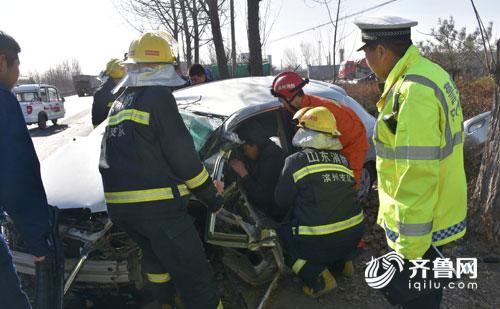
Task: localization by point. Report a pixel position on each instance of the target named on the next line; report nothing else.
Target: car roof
(243, 95)
(30, 87)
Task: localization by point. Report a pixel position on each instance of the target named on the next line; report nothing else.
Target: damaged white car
(99, 255)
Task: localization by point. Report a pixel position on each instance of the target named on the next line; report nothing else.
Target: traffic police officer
(149, 167)
(22, 194)
(419, 144)
(316, 185)
(104, 98)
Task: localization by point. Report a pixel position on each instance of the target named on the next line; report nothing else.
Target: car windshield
(200, 126)
(27, 96)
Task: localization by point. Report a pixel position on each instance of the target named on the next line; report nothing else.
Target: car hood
(71, 175)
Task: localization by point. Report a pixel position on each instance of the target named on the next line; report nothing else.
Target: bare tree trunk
(174, 20)
(254, 43)
(187, 34)
(213, 13)
(335, 42)
(233, 41)
(196, 35)
(485, 211)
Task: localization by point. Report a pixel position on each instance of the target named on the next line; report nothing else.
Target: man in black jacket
(149, 167)
(104, 96)
(316, 184)
(260, 168)
(22, 194)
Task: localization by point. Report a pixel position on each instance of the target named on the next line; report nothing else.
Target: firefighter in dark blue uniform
(149, 167)
(22, 194)
(316, 186)
(104, 96)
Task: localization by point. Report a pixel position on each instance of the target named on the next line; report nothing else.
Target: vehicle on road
(86, 85)
(100, 255)
(40, 103)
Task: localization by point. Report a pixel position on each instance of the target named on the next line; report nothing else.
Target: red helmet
(288, 84)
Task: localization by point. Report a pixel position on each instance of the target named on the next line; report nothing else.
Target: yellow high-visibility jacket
(421, 177)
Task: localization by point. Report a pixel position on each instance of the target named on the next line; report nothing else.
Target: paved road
(77, 122)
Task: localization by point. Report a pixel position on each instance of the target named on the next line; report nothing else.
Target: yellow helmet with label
(115, 69)
(318, 119)
(153, 47)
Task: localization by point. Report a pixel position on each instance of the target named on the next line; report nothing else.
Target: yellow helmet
(318, 119)
(153, 47)
(115, 69)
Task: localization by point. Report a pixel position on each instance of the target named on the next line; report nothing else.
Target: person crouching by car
(260, 168)
(316, 185)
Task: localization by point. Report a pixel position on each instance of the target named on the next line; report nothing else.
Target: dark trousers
(397, 291)
(308, 256)
(178, 252)
(11, 294)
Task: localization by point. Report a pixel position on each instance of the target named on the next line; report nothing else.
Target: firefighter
(287, 86)
(104, 98)
(22, 194)
(418, 138)
(259, 168)
(316, 185)
(149, 168)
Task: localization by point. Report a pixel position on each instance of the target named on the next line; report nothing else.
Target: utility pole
(233, 41)
(319, 52)
(335, 41)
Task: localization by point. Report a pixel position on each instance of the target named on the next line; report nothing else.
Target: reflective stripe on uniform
(198, 180)
(318, 168)
(415, 229)
(129, 114)
(183, 190)
(220, 306)
(436, 236)
(330, 228)
(422, 152)
(159, 278)
(417, 152)
(297, 266)
(148, 195)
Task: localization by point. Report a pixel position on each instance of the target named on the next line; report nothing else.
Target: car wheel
(368, 176)
(54, 122)
(42, 121)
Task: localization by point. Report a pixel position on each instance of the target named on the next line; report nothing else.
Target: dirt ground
(355, 293)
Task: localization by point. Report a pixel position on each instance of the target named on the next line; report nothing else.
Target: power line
(329, 23)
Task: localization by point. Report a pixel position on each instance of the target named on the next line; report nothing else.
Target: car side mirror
(63, 99)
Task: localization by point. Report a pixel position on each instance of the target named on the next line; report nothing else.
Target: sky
(94, 31)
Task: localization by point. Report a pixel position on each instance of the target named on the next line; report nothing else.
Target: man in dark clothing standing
(149, 167)
(316, 183)
(22, 194)
(199, 75)
(260, 169)
(104, 96)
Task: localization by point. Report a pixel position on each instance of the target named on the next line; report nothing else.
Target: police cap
(384, 29)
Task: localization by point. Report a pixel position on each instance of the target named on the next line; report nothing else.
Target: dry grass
(476, 95)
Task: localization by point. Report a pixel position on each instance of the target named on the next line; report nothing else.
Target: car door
(246, 234)
(54, 103)
(45, 103)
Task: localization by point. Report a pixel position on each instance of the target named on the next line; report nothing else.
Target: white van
(40, 103)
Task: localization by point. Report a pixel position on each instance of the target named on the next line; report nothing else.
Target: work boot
(348, 269)
(325, 284)
(178, 302)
